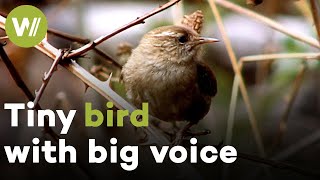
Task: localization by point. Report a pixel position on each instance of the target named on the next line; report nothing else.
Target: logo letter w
(25, 25)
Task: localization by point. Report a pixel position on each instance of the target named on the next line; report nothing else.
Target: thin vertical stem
(315, 14)
(236, 69)
(292, 97)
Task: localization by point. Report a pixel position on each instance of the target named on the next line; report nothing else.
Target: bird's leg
(142, 135)
(185, 132)
(182, 133)
(200, 133)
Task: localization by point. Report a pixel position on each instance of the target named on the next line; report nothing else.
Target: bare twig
(237, 71)
(47, 77)
(292, 96)
(67, 36)
(268, 57)
(316, 16)
(14, 73)
(232, 110)
(20, 83)
(269, 22)
(80, 40)
(298, 81)
(84, 41)
(135, 22)
(304, 9)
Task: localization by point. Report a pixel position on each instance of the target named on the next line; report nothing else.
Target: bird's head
(174, 43)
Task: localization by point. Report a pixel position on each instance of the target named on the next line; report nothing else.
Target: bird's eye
(183, 39)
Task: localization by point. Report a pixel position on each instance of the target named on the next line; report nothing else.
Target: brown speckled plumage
(166, 70)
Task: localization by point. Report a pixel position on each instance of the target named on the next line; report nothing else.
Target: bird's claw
(181, 135)
(178, 139)
(199, 133)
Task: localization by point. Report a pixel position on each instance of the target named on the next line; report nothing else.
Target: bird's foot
(186, 132)
(199, 133)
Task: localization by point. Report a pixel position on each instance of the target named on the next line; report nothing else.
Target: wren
(167, 70)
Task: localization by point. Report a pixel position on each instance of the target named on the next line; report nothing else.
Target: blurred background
(270, 85)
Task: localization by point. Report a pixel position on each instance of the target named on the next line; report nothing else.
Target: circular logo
(26, 26)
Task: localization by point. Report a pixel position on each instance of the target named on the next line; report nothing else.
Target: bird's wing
(206, 79)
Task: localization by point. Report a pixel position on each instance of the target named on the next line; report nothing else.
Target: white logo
(25, 25)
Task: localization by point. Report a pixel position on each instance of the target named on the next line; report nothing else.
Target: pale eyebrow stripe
(166, 33)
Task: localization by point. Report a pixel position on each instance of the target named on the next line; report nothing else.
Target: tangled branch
(21, 84)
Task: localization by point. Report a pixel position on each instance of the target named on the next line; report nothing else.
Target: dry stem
(232, 110)
(20, 83)
(268, 57)
(237, 71)
(67, 36)
(77, 39)
(292, 96)
(84, 41)
(315, 14)
(269, 22)
(47, 77)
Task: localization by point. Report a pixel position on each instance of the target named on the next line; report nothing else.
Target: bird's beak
(205, 40)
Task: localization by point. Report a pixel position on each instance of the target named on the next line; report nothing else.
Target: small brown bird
(167, 71)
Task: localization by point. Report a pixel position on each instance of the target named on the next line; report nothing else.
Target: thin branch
(256, 58)
(20, 83)
(135, 22)
(106, 56)
(237, 71)
(232, 110)
(14, 73)
(304, 9)
(80, 40)
(316, 16)
(47, 77)
(269, 22)
(268, 57)
(292, 97)
(68, 37)
(84, 41)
